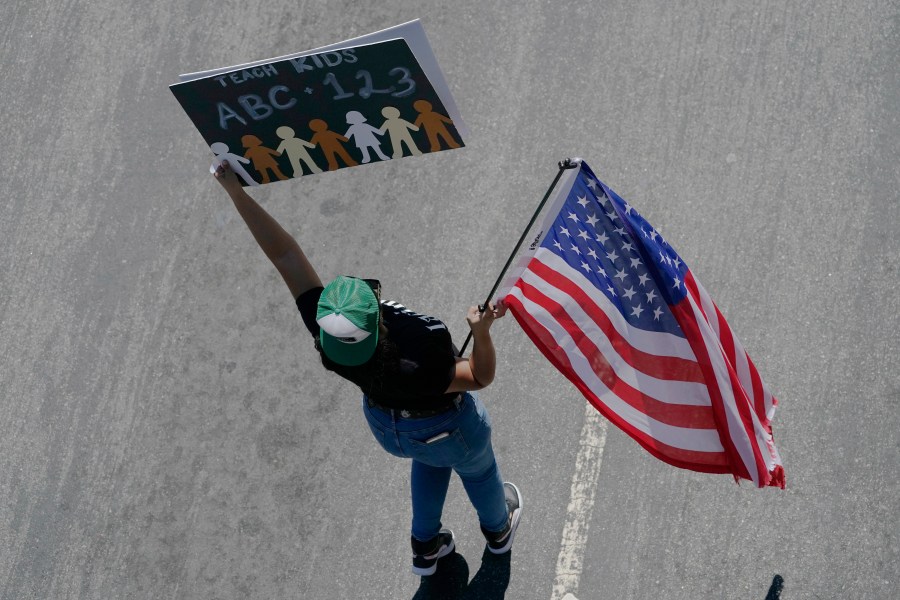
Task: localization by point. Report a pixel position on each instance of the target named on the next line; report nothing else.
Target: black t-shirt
(411, 367)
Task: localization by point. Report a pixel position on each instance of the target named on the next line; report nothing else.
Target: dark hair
(370, 375)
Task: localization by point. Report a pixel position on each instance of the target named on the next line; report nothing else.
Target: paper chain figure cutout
(331, 143)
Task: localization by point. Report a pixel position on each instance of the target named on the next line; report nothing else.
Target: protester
(418, 396)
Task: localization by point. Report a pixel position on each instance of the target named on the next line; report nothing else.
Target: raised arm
(279, 246)
(477, 371)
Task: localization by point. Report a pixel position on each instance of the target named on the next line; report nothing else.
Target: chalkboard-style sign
(338, 107)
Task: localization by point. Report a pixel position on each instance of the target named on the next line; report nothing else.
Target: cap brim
(349, 355)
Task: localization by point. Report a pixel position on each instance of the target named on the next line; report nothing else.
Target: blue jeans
(467, 450)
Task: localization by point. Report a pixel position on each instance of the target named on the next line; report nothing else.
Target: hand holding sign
(233, 160)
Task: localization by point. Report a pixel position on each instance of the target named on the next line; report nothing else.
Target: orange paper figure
(296, 151)
(433, 123)
(262, 157)
(363, 136)
(330, 144)
(220, 149)
(399, 132)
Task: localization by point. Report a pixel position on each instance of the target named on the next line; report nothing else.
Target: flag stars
(618, 254)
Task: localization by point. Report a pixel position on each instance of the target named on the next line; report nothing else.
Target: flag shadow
(451, 581)
(775, 588)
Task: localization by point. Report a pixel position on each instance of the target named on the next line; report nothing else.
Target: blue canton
(620, 253)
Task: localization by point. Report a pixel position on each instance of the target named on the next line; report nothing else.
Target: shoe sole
(426, 571)
(514, 524)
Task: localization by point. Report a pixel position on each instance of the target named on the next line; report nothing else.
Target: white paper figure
(363, 135)
(220, 149)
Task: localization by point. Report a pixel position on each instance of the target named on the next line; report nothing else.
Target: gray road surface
(167, 433)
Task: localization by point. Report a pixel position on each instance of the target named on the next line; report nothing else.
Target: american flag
(611, 304)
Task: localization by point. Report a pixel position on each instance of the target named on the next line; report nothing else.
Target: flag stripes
(646, 401)
(674, 380)
(609, 303)
(751, 435)
(702, 460)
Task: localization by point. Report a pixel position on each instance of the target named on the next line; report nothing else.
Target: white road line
(581, 505)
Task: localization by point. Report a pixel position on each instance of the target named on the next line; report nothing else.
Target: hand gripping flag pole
(568, 163)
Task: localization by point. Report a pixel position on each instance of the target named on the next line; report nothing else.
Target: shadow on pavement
(451, 581)
(775, 588)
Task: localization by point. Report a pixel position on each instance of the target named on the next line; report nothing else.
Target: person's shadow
(775, 588)
(451, 581)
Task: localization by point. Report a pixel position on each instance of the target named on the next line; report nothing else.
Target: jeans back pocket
(444, 452)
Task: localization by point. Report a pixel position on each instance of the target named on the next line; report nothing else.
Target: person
(399, 130)
(296, 151)
(418, 398)
(263, 158)
(363, 136)
(329, 142)
(434, 124)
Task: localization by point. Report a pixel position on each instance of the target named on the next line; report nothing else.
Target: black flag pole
(569, 163)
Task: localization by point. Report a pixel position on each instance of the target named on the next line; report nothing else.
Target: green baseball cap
(348, 315)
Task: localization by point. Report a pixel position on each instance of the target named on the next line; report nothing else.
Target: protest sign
(375, 98)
